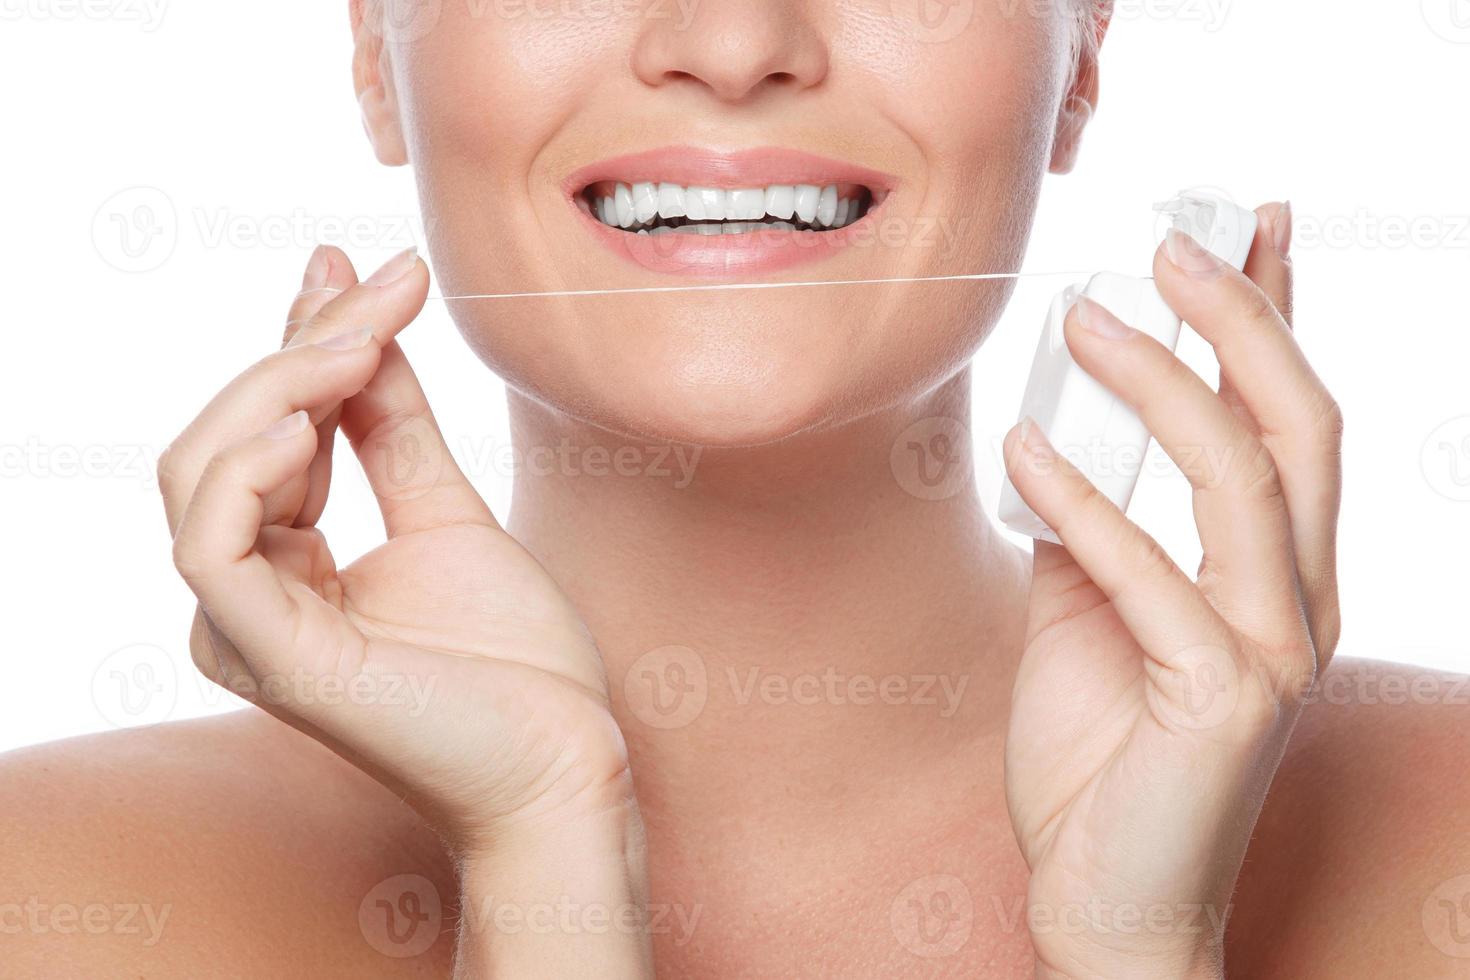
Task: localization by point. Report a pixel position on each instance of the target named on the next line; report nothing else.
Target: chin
(732, 370)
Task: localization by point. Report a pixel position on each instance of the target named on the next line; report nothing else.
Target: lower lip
(722, 256)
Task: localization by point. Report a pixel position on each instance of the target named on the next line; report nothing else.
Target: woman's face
(754, 141)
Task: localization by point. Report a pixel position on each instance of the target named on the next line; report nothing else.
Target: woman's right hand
(445, 663)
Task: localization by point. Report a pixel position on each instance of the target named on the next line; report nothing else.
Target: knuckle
(204, 647)
(1141, 553)
(1287, 307)
(1084, 507)
(1262, 477)
(1329, 424)
(1327, 631)
(187, 559)
(164, 469)
(1259, 308)
(226, 467)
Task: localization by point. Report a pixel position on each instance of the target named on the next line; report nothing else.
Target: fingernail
(1189, 255)
(1281, 227)
(1096, 320)
(291, 425)
(351, 340)
(317, 269)
(395, 268)
(1034, 441)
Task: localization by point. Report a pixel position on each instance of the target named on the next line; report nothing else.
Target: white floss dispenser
(1086, 422)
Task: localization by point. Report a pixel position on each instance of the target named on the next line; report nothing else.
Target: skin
(1078, 769)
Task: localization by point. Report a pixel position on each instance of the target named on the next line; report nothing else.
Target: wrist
(564, 894)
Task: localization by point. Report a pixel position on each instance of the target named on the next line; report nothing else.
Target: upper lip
(728, 170)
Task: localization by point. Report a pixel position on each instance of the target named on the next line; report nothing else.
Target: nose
(737, 49)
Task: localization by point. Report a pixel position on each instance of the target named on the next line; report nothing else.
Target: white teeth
(781, 201)
(670, 200)
(705, 204)
(806, 202)
(623, 197)
(640, 205)
(694, 204)
(645, 202)
(826, 206)
(748, 204)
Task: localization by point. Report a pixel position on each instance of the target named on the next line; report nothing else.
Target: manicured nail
(1281, 227)
(291, 425)
(351, 340)
(318, 267)
(1189, 255)
(395, 268)
(1096, 320)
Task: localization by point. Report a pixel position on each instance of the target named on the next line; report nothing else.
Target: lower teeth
(719, 228)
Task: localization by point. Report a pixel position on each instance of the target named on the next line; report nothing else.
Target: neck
(802, 595)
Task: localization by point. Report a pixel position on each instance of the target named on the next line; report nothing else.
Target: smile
(712, 214)
(649, 208)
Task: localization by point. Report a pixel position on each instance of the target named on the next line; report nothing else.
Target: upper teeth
(641, 204)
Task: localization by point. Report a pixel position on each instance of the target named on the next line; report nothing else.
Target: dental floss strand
(718, 287)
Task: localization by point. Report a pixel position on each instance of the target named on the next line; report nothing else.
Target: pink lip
(723, 256)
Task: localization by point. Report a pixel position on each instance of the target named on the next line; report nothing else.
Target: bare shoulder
(225, 845)
(1360, 866)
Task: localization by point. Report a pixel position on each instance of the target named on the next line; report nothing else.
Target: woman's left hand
(1151, 710)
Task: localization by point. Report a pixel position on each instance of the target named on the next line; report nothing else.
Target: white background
(239, 122)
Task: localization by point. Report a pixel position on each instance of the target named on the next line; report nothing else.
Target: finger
(307, 377)
(1298, 420)
(1060, 589)
(395, 294)
(1269, 267)
(383, 306)
(388, 300)
(1160, 606)
(329, 272)
(1243, 525)
(215, 547)
(408, 464)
